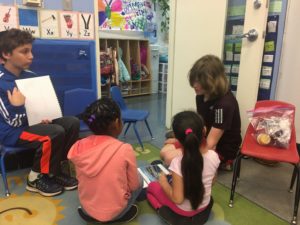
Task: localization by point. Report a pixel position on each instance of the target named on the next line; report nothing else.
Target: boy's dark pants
(51, 141)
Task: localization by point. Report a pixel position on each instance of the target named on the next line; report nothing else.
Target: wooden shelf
(131, 50)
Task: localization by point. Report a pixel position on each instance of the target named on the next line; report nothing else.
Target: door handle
(251, 35)
(257, 4)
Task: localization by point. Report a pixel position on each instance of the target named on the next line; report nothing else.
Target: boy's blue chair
(75, 102)
(4, 150)
(130, 116)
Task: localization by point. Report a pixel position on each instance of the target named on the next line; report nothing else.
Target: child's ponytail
(188, 128)
(192, 167)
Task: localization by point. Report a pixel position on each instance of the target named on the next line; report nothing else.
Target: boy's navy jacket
(13, 119)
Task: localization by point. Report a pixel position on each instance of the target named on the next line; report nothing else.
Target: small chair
(4, 150)
(130, 116)
(251, 148)
(75, 102)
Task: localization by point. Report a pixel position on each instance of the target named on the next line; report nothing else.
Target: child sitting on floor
(188, 197)
(106, 167)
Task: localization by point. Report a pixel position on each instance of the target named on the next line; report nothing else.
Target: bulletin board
(272, 48)
(267, 70)
(50, 24)
(129, 15)
(232, 51)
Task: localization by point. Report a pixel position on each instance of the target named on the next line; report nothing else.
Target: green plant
(165, 8)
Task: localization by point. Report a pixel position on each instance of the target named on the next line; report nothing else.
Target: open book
(151, 173)
(41, 102)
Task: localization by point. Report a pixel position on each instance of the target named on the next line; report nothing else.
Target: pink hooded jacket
(107, 173)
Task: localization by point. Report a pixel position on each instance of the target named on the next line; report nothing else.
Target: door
(197, 29)
(251, 58)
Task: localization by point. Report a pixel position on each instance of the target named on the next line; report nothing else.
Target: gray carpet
(264, 185)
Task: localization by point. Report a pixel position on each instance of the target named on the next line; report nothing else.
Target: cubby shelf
(131, 49)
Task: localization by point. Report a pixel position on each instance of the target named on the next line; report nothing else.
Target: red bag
(106, 64)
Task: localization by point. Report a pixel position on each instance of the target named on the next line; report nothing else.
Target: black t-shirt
(224, 114)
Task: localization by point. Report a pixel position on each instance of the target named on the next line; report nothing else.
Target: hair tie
(91, 118)
(188, 131)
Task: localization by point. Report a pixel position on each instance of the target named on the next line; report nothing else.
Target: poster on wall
(69, 24)
(28, 20)
(232, 50)
(86, 26)
(8, 17)
(49, 24)
(124, 14)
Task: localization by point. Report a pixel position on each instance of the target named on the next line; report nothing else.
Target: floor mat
(26, 208)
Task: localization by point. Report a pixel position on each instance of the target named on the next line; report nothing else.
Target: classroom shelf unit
(133, 51)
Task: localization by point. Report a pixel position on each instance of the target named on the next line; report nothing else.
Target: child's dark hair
(12, 39)
(100, 115)
(188, 129)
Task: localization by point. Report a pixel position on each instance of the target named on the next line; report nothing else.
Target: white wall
(288, 84)
(197, 28)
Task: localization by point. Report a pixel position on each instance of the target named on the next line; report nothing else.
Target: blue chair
(4, 150)
(75, 102)
(130, 116)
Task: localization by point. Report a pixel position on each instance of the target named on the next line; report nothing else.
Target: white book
(151, 172)
(41, 102)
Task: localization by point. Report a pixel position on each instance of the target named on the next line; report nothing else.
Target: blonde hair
(209, 72)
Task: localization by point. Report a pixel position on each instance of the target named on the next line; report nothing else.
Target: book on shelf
(41, 102)
(151, 173)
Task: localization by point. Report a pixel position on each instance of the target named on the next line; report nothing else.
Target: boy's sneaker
(67, 182)
(44, 186)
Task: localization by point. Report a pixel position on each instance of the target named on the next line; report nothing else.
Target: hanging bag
(106, 64)
(124, 74)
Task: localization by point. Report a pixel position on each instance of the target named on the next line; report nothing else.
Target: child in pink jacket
(105, 167)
